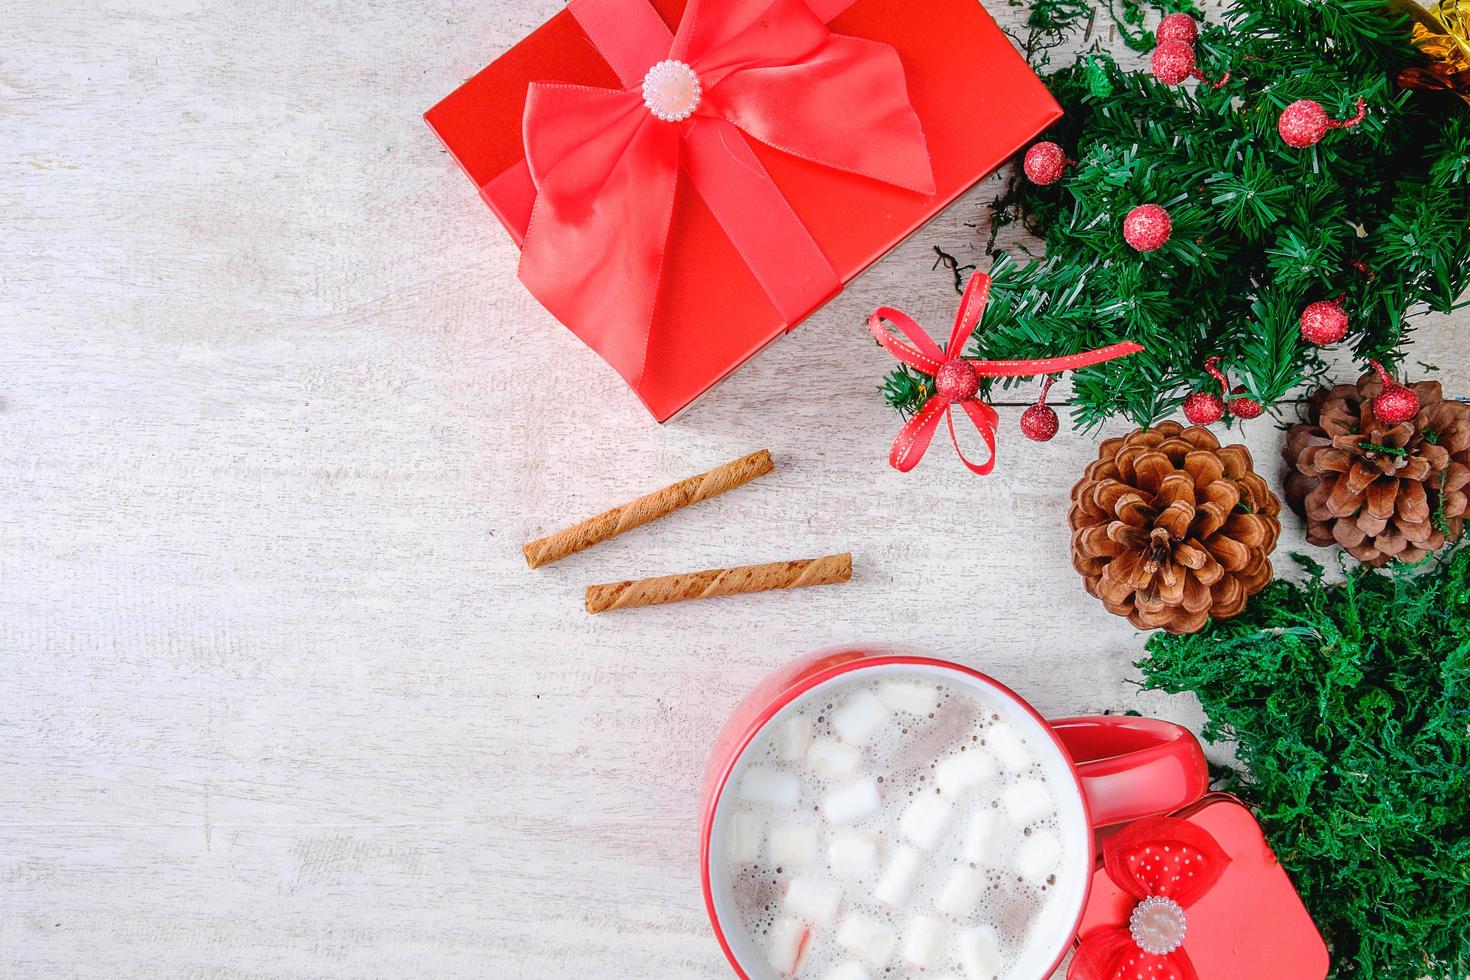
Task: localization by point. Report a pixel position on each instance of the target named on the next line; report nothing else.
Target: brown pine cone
(1382, 492)
(1169, 528)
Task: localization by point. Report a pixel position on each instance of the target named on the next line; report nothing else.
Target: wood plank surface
(280, 697)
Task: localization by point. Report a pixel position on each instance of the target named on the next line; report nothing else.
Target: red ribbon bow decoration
(957, 379)
(605, 162)
(1167, 864)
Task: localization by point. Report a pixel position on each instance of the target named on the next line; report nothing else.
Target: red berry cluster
(1206, 408)
(1173, 60)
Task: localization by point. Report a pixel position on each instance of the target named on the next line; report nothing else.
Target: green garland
(1350, 707)
(1379, 213)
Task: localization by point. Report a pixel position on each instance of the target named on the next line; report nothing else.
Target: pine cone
(1169, 529)
(1382, 492)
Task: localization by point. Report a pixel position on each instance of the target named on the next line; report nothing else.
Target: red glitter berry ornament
(1173, 63)
(1147, 227)
(1324, 322)
(1177, 27)
(956, 380)
(1039, 422)
(1397, 403)
(1203, 408)
(1304, 122)
(1244, 407)
(1044, 163)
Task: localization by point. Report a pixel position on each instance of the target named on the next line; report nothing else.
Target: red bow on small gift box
(605, 162)
(957, 379)
(1167, 864)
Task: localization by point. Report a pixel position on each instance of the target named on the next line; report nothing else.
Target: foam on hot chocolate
(893, 823)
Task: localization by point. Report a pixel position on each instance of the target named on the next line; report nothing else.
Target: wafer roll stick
(720, 581)
(650, 507)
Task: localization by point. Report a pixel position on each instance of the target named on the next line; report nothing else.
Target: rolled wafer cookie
(829, 570)
(649, 507)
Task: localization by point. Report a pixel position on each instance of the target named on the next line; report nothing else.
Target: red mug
(1119, 768)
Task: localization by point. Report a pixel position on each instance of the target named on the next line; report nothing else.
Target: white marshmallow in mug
(794, 845)
(964, 771)
(1009, 748)
(814, 901)
(866, 938)
(859, 718)
(921, 940)
(853, 854)
(831, 758)
(852, 802)
(770, 786)
(914, 697)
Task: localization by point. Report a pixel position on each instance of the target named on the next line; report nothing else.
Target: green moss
(1350, 707)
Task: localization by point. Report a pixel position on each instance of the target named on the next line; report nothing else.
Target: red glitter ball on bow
(1147, 227)
(957, 379)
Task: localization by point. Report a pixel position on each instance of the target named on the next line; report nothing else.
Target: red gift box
(1251, 923)
(975, 98)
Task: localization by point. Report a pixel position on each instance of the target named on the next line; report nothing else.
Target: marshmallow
(744, 838)
(859, 718)
(1010, 751)
(915, 697)
(983, 837)
(921, 939)
(1027, 801)
(961, 891)
(793, 845)
(787, 945)
(963, 771)
(853, 802)
(897, 882)
(848, 971)
(1038, 855)
(980, 953)
(868, 939)
(762, 785)
(792, 738)
(925, 820)
(831, 758)
(813, 900)
(853, 854)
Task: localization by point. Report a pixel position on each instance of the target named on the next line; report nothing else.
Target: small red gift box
(974, 97)
(1248, 923)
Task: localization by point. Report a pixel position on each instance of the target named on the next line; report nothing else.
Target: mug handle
(1133, 767)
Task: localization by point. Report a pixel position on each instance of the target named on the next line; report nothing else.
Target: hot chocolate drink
(890, 823)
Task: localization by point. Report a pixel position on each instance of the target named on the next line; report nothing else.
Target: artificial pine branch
(1379, 215)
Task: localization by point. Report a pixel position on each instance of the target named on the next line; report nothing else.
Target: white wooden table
(278, 696)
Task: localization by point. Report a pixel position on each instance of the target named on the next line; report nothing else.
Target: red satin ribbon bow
(1167, 864)
(957, 379)
(605, 167)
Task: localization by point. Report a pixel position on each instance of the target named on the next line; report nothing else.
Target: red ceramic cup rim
(864, 663)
